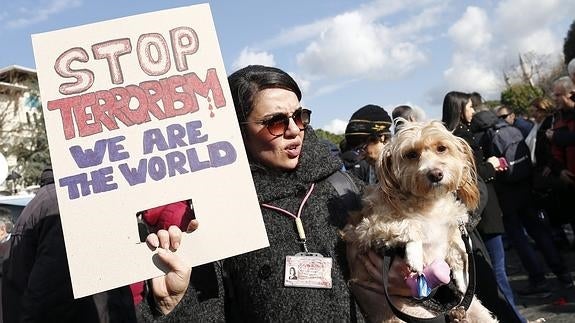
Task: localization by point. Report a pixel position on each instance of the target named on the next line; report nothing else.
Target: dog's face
(425, 160)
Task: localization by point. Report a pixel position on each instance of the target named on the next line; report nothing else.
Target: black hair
(476, 99)
(245, 83)
(453, 105)
(404, 111)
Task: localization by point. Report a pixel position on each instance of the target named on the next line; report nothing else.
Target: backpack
(349, 193)
(507, 141)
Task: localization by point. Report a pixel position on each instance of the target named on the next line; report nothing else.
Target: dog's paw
(458, 315)
(414, 255)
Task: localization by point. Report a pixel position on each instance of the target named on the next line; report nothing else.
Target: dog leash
(444, 316)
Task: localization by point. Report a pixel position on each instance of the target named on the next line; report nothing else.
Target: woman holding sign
(302, 212)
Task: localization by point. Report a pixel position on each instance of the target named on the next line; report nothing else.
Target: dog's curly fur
(427, 184)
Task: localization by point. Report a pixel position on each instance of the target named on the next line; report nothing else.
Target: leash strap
(444, 316)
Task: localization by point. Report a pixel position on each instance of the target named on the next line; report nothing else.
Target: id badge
(306, 269)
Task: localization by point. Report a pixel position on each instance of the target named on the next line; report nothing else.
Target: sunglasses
(372, 139)
(278, 124)
(504, 116)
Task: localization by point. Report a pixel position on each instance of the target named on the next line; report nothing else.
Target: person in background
(457, 116)
(290, 167)
(6, 226)
(562, 137)
(353, 161)
(551, 194)
(36, 284)
(509, 116)
(407, 113)
(366, 133)
(521, 215)
(562, 132)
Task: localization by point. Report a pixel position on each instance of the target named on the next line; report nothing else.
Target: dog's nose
(435, 175)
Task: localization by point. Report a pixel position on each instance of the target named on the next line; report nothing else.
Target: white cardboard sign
(139, 114)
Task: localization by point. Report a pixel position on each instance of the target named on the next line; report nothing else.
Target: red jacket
(162, 217)
(564, 150)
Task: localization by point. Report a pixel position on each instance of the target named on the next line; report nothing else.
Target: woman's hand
(366, 282)
(494, 161)
(567, 177)
(168, 290)
(371, 275)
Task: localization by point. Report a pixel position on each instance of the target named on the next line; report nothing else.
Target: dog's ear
(386, 176)
(467, 190)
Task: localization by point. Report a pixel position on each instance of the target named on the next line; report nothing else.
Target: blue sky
(343, 53)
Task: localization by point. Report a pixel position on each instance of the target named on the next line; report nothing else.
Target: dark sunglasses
(278, 124)
(372, 139)
(504, 116)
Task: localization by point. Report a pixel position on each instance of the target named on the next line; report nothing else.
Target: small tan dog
(427, 184)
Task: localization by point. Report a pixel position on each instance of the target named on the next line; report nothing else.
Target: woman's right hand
(567, 177)
(494, 161)
(168, 290)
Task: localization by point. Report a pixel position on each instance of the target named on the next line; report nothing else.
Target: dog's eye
(441, 148)
(412, 155)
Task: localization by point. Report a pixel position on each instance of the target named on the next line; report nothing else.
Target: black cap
(370, 120)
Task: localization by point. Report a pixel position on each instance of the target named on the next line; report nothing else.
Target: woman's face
(468, 112)
(280, 152)
(538, 115)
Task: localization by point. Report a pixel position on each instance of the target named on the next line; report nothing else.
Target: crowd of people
(293, 173)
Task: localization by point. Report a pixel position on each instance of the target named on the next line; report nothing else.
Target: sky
(344, 54)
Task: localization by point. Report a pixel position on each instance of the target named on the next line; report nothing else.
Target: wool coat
(250, 287)
(491, 221)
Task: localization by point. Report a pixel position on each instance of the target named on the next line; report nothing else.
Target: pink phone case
(503, 163)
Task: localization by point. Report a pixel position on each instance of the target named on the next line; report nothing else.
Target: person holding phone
(562, 132)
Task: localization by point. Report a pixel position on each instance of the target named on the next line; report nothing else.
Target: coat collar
(315, 164)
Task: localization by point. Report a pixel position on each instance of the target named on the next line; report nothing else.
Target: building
(19, 106)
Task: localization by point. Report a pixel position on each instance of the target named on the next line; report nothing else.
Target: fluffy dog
(427, 185)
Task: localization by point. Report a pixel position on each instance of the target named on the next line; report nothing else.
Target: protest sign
(139, 114)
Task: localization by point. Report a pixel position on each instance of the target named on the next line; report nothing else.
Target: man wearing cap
(366, 133)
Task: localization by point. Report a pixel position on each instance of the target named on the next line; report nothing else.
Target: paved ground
(558, 307)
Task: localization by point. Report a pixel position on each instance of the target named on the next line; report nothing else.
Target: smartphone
(503, 163)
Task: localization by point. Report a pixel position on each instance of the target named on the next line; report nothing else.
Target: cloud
(523, 17)
(336, 126)
(472, 76)
(332, 87)
(487, 42)
(530, 30)
(306, 32)
(364, 42)
(352, 46)
(39, 14)
(471, 30)
(251, 57)
(303, 83)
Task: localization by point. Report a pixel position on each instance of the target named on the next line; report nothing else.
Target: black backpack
(507, 141)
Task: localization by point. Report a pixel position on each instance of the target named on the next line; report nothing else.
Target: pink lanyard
(297, 217)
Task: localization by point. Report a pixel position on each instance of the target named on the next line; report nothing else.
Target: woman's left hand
(168, 290)
(366, 281)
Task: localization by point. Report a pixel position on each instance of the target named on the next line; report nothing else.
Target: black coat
(36, 284)
(491, 217)
(255, 290)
